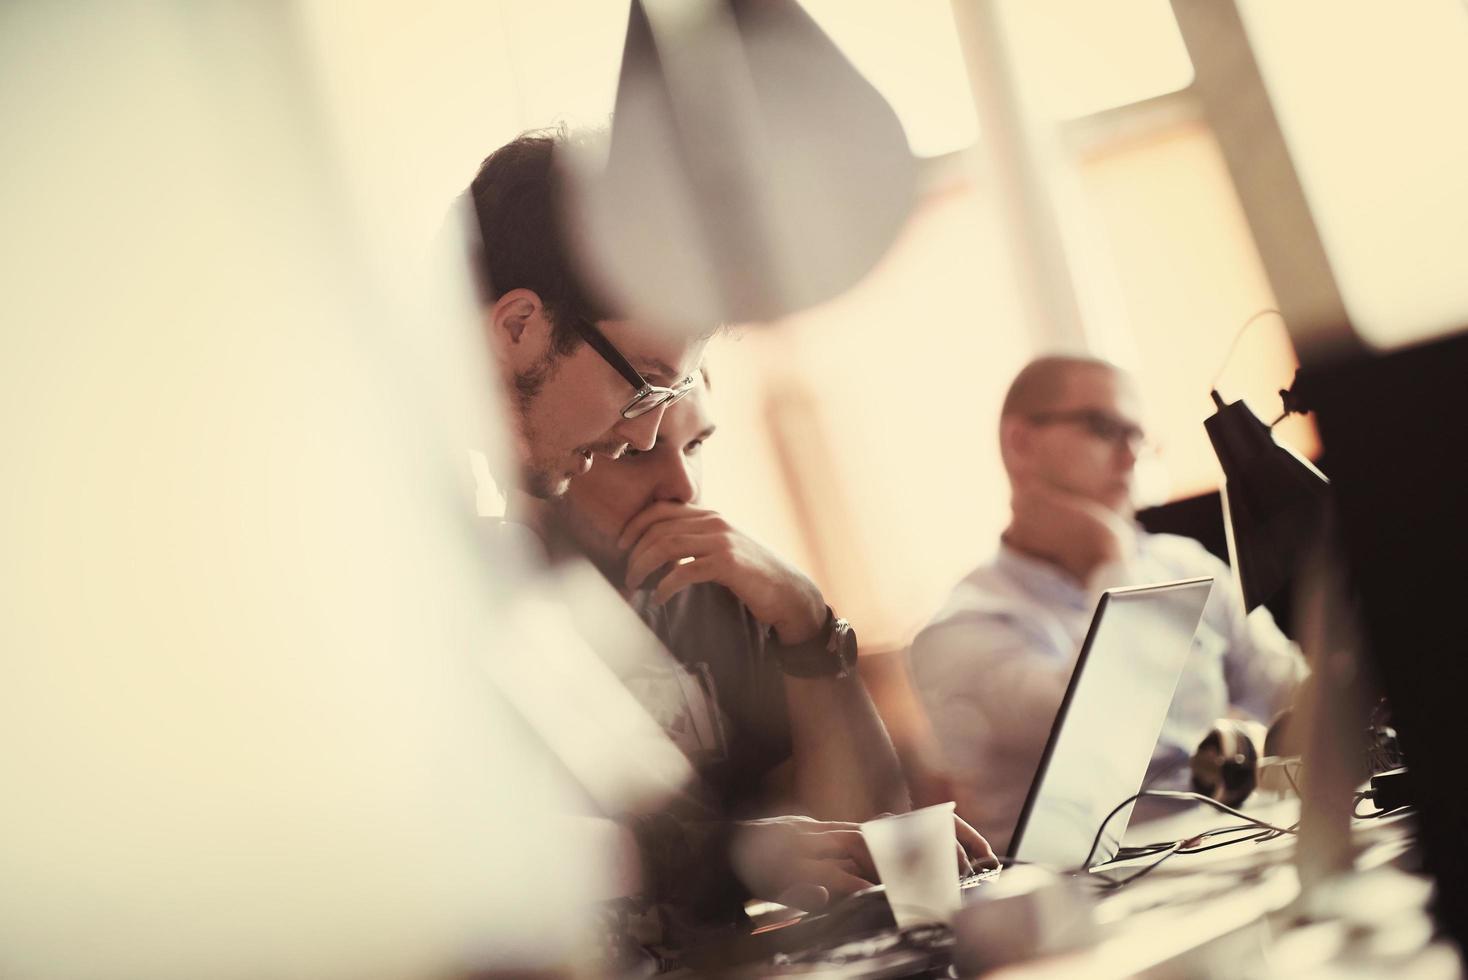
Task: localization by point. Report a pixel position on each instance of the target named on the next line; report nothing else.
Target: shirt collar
(1040, 577)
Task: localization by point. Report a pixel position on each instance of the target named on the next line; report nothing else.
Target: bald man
(994, 663)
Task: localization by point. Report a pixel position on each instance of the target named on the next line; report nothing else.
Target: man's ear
(518, 327)
(1016, 437)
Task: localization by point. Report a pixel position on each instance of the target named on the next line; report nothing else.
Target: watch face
(833, 658)
(842, 645)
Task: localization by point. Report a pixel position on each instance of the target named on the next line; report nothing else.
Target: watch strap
(830, 653)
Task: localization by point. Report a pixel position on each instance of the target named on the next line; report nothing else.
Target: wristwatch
(830, 653)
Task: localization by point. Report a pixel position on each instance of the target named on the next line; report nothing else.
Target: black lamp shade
(1274, 502)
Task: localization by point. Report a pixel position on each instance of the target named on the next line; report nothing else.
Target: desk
(1237, 911)
(1231, 912)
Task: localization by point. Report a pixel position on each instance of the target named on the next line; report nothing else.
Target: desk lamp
(1275, 509)
(1274, 501)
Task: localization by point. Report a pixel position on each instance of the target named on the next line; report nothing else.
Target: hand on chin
(1066, 528)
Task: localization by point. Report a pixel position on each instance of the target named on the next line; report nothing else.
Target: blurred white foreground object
(751, 171)
(567, 685)
(1026, 912)
(245, 730)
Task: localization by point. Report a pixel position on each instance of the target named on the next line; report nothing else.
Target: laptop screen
(1109, 722)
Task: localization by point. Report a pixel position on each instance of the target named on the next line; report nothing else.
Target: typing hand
(800, 862)
(973, 849)
(667, 533)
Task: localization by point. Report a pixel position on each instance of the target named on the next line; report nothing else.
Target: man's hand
(800, 862)
(972, 848)
(974, 852)
(1077, 534)
(668, 533)
(805, 863)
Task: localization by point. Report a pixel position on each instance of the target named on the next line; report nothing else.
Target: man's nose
(1128, 451)
(642, 431)
(678, 482)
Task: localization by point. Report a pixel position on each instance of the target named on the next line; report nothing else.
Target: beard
(546, 470)
(529, 382)
(539, 476)
(543, 484)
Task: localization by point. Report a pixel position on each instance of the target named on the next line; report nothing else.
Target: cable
(1181, 847)
(1262, 835)
(1210, 801)
(1381, 814)
(1147, 850)
(1264, 831)
(1117, 883)
(1140, 849)
(1376, 815)
(1178, 795)
(1293, 828)
(1096, 842)
(1291, 777)
(1240, 336)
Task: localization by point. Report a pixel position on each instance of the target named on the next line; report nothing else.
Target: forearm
(1262, 666)
(843, 763)
(685, 862)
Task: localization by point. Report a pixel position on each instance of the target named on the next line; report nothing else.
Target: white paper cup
(916, 857)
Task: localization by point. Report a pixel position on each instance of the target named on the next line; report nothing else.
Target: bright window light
(1373, 122)
(1073, 58)
(910, 52)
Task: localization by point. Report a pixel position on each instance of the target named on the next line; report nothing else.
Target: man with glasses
(762, 693)
(584, 381)
(993, 665)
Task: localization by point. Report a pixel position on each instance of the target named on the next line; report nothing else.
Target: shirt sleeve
(685, 863)
(1261, 666)
(990, 686)
(716, 636)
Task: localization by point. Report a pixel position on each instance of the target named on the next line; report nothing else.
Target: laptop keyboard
(978, 878)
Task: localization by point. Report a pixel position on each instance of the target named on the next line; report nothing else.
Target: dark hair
(518, 204)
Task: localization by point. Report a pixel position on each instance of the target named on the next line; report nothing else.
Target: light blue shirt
(993, 665)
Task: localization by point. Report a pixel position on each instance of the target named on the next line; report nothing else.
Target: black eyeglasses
(647, 397)
(1102, 425)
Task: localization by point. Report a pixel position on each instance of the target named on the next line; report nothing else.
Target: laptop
(1108, 723)
(1097, 754)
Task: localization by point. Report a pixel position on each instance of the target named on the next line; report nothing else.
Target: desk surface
(1239, 910)
(1234, 911)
